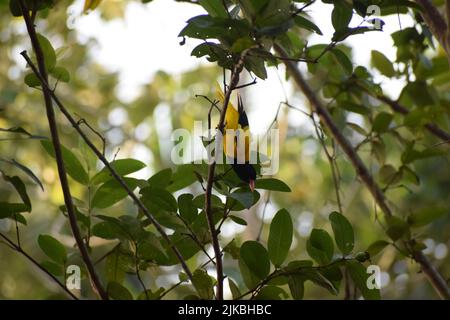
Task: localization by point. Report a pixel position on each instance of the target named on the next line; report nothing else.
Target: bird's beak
(252, 185)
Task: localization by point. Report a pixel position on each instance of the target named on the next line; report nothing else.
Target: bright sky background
(146, 41)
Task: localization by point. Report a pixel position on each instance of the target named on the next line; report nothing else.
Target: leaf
(238, 220)
(26, 170)
(183, 177)
(203, 283)
(382, 122)
(341, 15)
(280, 237)
(60, 74)
(376, 247)
(382, 64)
(48, 51)
(188, 211)
(160, 179)
(215, 8)
(360, 276)
(118, 292)
(52, 248)
(123, 167)
(71, 163)
(21, 190)
(32, 80)
(396, 228)
(244, 198)
(112, 192)
(297, 286)
(55, 269)
(343, 60)
(304, 23)
(256, 258)
(343, 232)
(272, 184)
(320, 246)
(426, 216)
(271, 293)
(235, 292)
(157, 200)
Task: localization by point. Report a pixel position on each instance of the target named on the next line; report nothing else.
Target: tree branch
(18, 248)
(433, 275)
(397, 107)
(111, 170)
(436, 23)
(208, 210)
(58, 153)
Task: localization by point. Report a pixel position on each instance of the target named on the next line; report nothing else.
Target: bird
(237, 120)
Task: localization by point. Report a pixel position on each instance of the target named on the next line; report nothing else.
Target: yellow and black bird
(237, 121)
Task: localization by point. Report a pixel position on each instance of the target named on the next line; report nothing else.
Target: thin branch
(397, 107)
(436, 23)
(208, 209)
(58, 153)
(435, 278)
(19, 249)
(111, 170)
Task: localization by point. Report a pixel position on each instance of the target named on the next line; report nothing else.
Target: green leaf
(343, 60)
(73, 166)
(426, 216)
(123, 167)
(182, 178)
(272, 184)
(60, 74)
(14, 8)
(280, 237)
(235, 292)
(160, 179)
(320, 246)
(48, 51)
(382, 122)
(396, 228)
(32, 80)
(343, 232)
(238, 220)
(341, 15)
(297, 286)
(52, 248)
(112, 192)
(21, 190)
(382, 63)
(245, 198)
(250, 279)
(271, 293)
(376, 247)
(55, 269)
(118, 292)
(256, 258)
(203, 283)
(360, 276)
(304, 23)
(188, 211)
(215, 8)
(157, 200)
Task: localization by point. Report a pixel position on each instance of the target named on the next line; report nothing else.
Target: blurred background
(131, 79)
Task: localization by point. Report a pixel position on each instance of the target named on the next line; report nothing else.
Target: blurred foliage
(410, 164)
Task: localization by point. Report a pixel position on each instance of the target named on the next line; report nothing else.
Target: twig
(58, 153)
(208, 209)
(434, 277)
(113, 172)
(19, 249)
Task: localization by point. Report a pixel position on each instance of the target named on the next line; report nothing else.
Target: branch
(19, 249)
(436, 23)
(436, 279)
(431, 127)
(208, 210)
(111, 170)
(58, 154)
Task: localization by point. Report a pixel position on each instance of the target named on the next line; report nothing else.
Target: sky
(121, 48)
